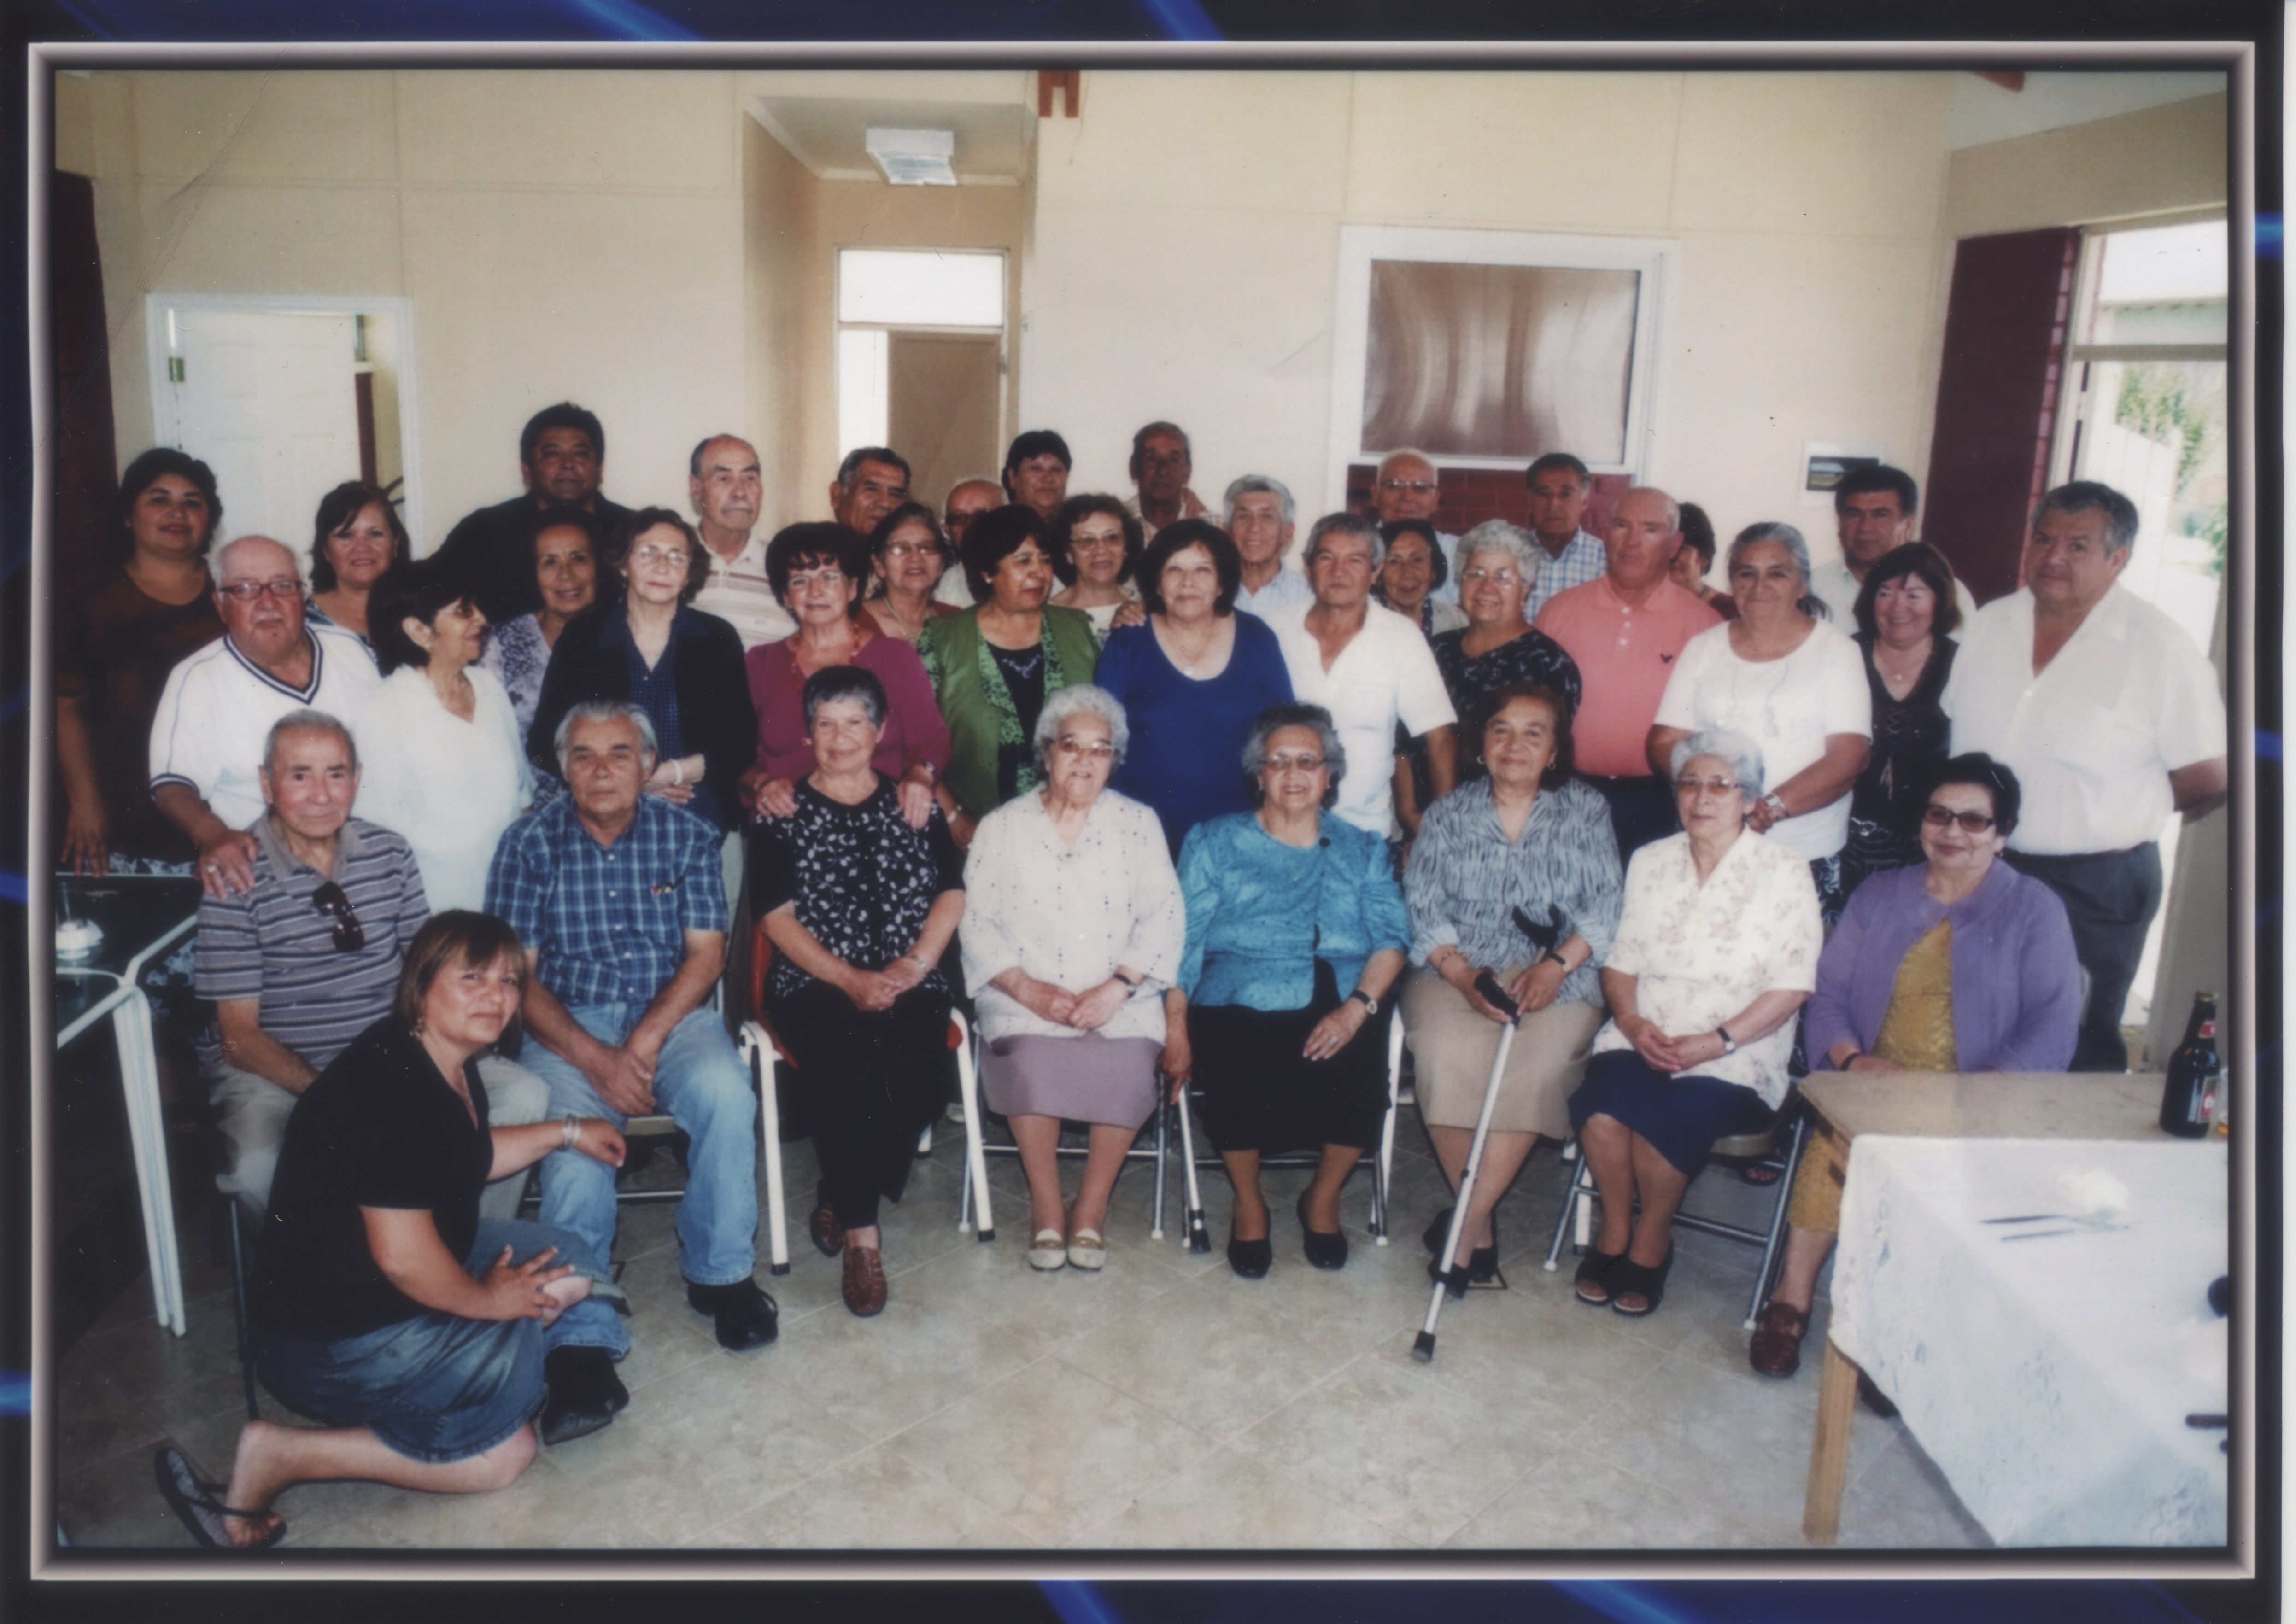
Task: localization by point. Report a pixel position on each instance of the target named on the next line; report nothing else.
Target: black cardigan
(713, 695)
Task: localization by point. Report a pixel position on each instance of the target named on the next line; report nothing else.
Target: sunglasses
(330, 901)
(1938, 818)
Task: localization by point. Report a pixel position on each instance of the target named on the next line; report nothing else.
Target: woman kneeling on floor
(1716, 950)
(383, 1305)
(1072, 932)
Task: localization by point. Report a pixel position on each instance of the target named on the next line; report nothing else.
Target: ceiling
(826, 133)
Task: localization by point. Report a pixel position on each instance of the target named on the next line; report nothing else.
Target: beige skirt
(1453, 1046)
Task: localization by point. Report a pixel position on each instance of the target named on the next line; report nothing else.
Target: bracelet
(1776, 803)
(1132, 983)
(572, 1130)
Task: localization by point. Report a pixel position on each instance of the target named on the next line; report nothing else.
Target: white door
(267, 400)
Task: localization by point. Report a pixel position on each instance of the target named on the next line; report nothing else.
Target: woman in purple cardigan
(1962, 964)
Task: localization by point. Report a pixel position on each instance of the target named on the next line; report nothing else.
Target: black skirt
(1262, 1094)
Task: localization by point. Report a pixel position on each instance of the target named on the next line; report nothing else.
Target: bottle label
(2207, 1031)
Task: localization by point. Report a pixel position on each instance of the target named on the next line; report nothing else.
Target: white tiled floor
(1163, 1404)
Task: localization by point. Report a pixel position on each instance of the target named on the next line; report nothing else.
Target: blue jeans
(699, 1079)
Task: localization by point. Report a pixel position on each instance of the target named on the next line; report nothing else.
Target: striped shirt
(607, 923)
(274, 944)
(740, 593)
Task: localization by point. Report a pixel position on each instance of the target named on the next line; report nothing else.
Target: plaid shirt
(1581, 562)
(608, 924)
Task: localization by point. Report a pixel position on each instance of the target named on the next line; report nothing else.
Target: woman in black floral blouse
(860, 907)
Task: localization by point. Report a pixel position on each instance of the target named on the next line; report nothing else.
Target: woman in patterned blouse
(1715, 951)
(566, 568)
(1526, 840)
(860, 907)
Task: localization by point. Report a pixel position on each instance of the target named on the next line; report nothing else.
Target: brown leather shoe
(828, 1234)
(865, 1280)
(1776, 1347)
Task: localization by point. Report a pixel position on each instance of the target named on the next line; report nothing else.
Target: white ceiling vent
(915, 158)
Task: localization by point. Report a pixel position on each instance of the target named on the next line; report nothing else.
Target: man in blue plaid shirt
(621, 900)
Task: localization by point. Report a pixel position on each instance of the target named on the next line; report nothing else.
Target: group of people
(1162, 810)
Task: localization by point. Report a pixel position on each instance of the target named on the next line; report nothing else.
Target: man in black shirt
(561, 457)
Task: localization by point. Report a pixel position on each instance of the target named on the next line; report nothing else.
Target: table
(143, 916)
(1994, 1146)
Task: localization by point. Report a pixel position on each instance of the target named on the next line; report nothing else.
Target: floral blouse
(517, 655)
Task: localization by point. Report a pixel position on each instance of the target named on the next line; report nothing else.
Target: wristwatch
(1132, 981)
(1556, 955)
(1776, 803)
(1369, 1001)
(1729, 1044)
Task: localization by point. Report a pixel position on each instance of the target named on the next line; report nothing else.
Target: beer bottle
(2193, 1070)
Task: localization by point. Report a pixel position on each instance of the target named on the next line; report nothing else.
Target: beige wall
(2159, 160)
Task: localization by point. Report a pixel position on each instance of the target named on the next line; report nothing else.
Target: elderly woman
(1904, 611)
(1694, 560)
(423, 1336)
(1072, 930)
(859, 905)
(995, 665)
(117, 639)
(1286, 907)
(566, 569)
(1413, 567)
(1962, 964)
(1715, 951)
(1525, 840)
(649, 645)
(1190, 680)
(356, 537)
(818, 571)
(908, 555)
(1783, 678)
(1097, 545)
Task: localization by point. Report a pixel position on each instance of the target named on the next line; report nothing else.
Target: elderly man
(1623, 630)
(725, 485)
(308, 955)
(1874, 511)
(618, 898)
(967, 500)
(562, 458)
(872, 481)
(1161, 464)
(1368, 666)
(1036, 474)
(2110, 718)
(1259, 521)
(1560, 486)
(1406, 488)
(214, 719)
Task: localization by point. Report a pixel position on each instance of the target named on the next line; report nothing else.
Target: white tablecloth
(2049, 1378)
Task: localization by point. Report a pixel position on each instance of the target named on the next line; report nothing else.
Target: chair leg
(1797, 1137)
(1385, 1169)
(758, 1052)
(1574, 1194)
(239, 1308)
(1163, 1147)
(976, 1162)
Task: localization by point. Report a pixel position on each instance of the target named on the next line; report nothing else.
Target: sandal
(200, 1504)
(1776, 1348)
(1595, 1270)
(1641, 1280)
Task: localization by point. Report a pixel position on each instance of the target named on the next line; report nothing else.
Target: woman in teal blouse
(1286, 908)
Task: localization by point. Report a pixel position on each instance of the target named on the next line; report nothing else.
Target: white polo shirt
(1386, 675)
(740, 594)
(2092, 738)
(217, 708)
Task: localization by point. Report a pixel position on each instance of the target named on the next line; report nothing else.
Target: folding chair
(1759, 1148)
(978, 1148)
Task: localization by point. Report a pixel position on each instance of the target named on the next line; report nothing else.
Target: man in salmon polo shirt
(1624, 629)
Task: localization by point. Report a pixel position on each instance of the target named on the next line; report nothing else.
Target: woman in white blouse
(1791, 683)
(1716, 950)
(1073, 927)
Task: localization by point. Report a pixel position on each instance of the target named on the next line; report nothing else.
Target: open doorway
(920, 360)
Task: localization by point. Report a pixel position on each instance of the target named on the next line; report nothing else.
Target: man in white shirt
(1259, 521)
(1406, 486)
(2110, 718)
(1874, 511)
(727, 489)
(214, 719)
(1368, 666)
(1560, 487)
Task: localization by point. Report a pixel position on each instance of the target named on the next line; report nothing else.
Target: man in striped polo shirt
(308, 957)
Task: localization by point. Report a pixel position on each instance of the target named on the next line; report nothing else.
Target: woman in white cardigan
(1073, 927)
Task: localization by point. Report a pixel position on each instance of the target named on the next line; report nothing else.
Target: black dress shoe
(585, 1393)
(1436, 1233)
(1251, 1259)
(746, 1316)
(1325, 1249)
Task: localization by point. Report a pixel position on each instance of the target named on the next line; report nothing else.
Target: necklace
(1898, 671)
(907, 633)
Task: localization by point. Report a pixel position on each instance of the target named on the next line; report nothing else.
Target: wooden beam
(1069, 80)
(2012, 80)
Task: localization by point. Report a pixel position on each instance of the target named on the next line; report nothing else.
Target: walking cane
(1199, 1239)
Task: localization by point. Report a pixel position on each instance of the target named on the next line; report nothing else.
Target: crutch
(1423, 1348)
(1191, 1224)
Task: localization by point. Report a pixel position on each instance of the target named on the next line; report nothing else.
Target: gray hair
(2085, 497)
(1345, 524)
(1743, 755)
(317, 721)
(1253, 482)
(1497, 535)
(607, 710)
(1396, 455)
(223, 554)
(1273, 720)
(1673, 508)
(1785, 536)
(1083, 698)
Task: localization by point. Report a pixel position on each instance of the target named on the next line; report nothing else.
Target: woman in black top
(383, 1305)
(860, 907)
(1904, 611)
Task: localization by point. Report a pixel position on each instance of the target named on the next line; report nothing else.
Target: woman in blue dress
(1192, 679)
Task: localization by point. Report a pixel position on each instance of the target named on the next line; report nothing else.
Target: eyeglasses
(1295, 764)
(1099, 750)
(247, 592)
(650, 556)
(1477, 575)
(330, 901)
(911, 549)
(1937, 818)
(1706, 786)
(1417, 488)
(1116, 540)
